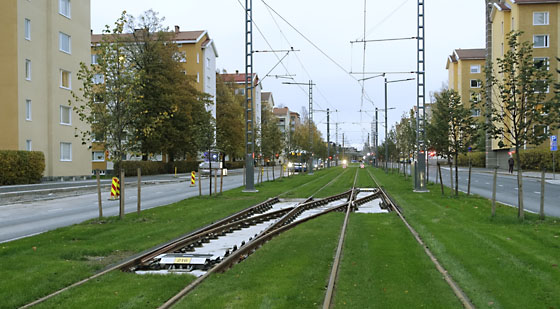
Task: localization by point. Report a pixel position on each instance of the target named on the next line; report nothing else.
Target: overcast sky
(331, 25)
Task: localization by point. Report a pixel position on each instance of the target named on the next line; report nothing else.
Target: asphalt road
(506, 188)
(27, 219)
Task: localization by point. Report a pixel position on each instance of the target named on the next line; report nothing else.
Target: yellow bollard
(193, 178)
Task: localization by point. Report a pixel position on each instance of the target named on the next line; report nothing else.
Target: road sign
(553, 143)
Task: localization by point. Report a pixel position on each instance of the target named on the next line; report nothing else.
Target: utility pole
(376, 136)
(386, 144)
(249, 101)
(420, 166)
(342, 146)
(328, 138)
(336, 142)
(310, 121)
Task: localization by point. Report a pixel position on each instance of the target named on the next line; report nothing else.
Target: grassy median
(36, 266)
(291, 271)
(499, 262)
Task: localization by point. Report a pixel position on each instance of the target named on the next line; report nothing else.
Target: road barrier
(193, 178)
(115, 189)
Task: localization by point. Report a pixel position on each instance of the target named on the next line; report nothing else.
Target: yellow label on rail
(182, 260)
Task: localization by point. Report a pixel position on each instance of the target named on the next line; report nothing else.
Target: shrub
(148, 167)
(478, 159)
(182, 166)
(21, 167)
(537, 159)
(235, 165)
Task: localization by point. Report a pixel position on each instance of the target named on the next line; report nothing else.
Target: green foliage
(272, 140)
(182, 166)
(235, 164)
(148, 167)
(21, 167)
(230, 130)
(478, 159)
(405, 133)
(537, 159)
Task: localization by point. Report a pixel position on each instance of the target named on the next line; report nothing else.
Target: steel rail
(236, 216)
(454, 286)
(336, 263)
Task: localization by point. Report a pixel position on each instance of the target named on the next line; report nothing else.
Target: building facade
(540, 21)
(238, 80)
(44, 43)
(466, 74)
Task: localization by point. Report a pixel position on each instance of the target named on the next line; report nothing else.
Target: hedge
(182, 166)
(537, 159)
(21, 167)
(478, 159)
(156, 167)
(235, 165)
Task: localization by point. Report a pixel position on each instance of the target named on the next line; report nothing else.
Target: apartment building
(465, 68)
(43, 45)
(238, 80)
(267, 103)
(540, 22)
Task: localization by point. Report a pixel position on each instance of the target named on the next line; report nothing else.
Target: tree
(170, 102)
(272, 139)
(230, 123)
(461, 126)
(520, 111)
(108, 99)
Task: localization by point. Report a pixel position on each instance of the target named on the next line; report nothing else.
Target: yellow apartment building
(197, 54)
(540, 21)
(466, 73)
(43, 45)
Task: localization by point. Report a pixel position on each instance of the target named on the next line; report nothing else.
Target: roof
(265, 96)
(282, 111)
(180, 36)
(470, 54)
(237, 78)
(294, 114)
(502, 6)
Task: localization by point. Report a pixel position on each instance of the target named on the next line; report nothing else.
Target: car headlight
(290, 164)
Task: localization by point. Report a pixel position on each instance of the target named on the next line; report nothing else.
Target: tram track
(181, 247)
(459, 293)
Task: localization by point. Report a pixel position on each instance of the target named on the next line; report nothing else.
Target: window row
(65, 150)
(65, 113)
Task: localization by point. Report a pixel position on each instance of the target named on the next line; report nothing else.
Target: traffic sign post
(553, 148)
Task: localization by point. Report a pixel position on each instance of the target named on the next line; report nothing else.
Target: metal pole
(386, 144)
(121, 200)
(310, 171)
(328, 138)
(376, 136)
(210, 170)
(139, 173)
(249, 114)
(420, 166)
(541, 212)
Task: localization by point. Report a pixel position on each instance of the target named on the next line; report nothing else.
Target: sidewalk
(550, 178)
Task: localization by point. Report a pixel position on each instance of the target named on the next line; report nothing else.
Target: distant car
(204, 167)
(298, 167)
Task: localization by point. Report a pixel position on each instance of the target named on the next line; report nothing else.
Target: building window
(65, 43)
(179, 45)
(541, 62)
(27, 29)
(475, 69)
(540, 41)
(475, 112)
(476, 97)
(98, 156)
(208, 63)
(65, 115)
(541, 85)
(540, 18)
(28, 145)
(475, 83)
(64, 8)
(93, 58)
(27, 69)
(28, 110)
(65, 79)
(65, 151)
(98, 79)
(197, 77)
(197, 58)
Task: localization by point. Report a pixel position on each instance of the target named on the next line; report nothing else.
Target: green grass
(37, 266)
(291, 271)
(499, 262)
(384, 267)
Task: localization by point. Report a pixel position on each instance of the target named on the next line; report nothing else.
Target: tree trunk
(521, 213)
(456, 175)
(450, 173)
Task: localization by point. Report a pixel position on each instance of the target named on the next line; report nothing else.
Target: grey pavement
(506, 187)
(20, 220)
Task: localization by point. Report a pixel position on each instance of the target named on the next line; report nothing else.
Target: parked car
(204, 167)
(299, 167)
